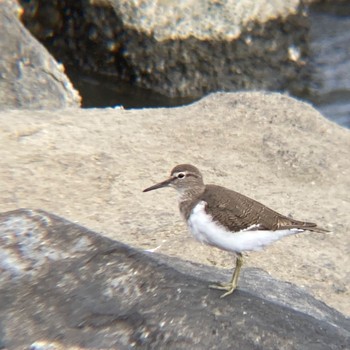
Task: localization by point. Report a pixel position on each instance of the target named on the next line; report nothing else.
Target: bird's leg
(232, 285)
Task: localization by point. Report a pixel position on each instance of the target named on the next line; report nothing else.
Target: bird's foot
(229, 287)
(220, 286)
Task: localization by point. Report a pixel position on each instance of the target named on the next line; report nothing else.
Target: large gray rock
(30, 78)
(185, 50)
(64, 286)
(91, 166)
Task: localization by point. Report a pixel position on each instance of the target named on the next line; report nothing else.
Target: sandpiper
(227, 219)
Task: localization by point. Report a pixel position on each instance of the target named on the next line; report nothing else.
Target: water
(330, 94)
(102, 91)
(330, 38)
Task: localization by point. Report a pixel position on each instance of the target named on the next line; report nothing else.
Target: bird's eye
(180, 175)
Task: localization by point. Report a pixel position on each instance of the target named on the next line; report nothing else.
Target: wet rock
(30, 78)
(185, 50)
(63, 286)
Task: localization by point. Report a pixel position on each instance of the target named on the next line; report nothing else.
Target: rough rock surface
(63, 287)
(90, 166)
(30, 78)
(184, 50)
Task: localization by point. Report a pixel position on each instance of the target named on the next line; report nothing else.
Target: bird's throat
(187, 199)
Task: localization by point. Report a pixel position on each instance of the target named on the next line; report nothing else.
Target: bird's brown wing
(237, 212)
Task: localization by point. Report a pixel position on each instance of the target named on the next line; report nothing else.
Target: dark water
(102, 91)
(330, 38)
(330, 44)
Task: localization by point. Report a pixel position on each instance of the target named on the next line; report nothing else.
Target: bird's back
(238, 212)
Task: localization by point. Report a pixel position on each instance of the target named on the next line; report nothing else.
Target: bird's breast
(203, 227)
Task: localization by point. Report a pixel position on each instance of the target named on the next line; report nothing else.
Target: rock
(30, 78)
(64, 285)
(91, 166)
(185, 50)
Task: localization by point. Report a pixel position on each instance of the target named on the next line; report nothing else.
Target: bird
(226, 219)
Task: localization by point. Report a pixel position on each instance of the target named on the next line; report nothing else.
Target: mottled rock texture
(63, 286)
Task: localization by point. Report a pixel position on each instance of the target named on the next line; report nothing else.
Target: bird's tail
(316, 229)
(287, 223)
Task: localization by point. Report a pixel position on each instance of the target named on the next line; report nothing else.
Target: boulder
(30, 78)
(90, 166)
(185, 50)
(65, 287)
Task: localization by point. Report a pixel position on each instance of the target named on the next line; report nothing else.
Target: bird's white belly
(205, 230)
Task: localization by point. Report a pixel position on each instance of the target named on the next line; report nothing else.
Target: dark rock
(64, 284)
(186, 50)
(30, 78)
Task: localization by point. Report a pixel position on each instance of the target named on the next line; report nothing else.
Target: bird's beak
(165, 183)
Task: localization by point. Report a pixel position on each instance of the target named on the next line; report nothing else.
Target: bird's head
(185, 178)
